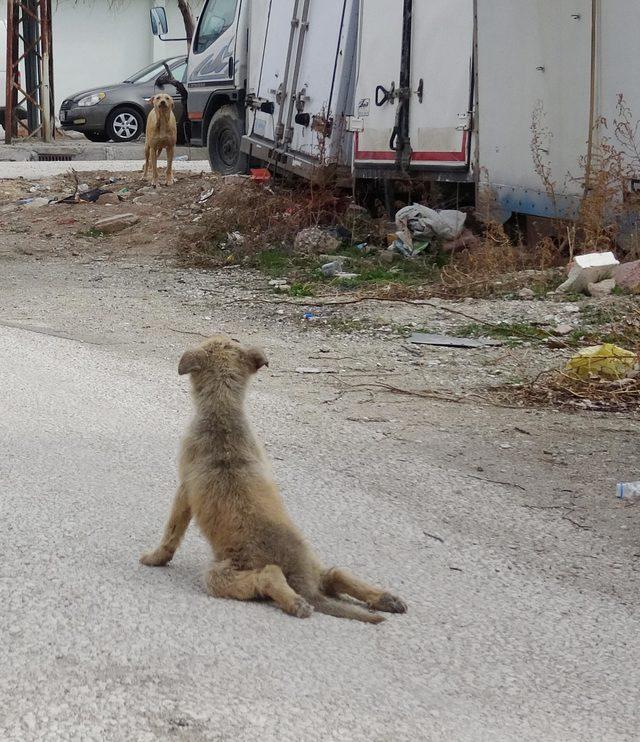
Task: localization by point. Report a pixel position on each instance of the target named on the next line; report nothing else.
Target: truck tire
(223, 142)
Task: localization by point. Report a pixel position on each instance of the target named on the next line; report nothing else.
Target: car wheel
(97, 136)
(124, 124)
(223, 141)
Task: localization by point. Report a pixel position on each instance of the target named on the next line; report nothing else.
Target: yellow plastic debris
(606, 361)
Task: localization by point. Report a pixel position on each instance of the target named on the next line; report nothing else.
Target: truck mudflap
(414, 102)
(289, 161)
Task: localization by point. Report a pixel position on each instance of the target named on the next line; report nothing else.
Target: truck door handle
(383, 95)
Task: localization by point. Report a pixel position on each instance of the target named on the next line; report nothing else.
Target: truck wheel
(223, 141)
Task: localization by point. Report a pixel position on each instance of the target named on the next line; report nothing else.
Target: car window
(216, 18)
(179, 71)
(157, 68)
(147, 74)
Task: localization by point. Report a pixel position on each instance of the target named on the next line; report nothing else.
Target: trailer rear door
(321, 78)
(440, 81)
(276, 66)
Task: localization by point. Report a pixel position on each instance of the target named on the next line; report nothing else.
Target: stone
(108, 199)
(627, 275)
(37, 203)
(601, 289)
(526, 294)
(115, 223)
(587, 269)
(390, 256)
(564, 329)
(467, 241)
(313, 241)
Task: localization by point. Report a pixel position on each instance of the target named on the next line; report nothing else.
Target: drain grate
(54, 158)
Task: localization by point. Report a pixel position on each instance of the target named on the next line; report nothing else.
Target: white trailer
(440, 89)
(570, 60)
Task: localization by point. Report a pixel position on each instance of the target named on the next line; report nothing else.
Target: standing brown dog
(161, 133)
(226, 484)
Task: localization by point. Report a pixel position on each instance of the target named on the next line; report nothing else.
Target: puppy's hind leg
(339, 582)
(269, 582)
(173, 532)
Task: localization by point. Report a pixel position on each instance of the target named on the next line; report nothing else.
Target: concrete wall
(95, 44)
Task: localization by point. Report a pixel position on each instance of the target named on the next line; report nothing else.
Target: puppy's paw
(389, 603)
(300, 608)
(170, 181)
(157, 558)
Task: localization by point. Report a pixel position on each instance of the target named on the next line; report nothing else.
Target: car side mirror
(163, 79)
(159, 25)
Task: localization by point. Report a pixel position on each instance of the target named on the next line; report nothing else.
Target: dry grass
(498, 265)
(561, 390)
(245, 218)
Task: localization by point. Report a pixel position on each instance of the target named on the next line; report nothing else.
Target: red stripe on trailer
(415, 156)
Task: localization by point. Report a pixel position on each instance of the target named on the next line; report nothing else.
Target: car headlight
(91, 100)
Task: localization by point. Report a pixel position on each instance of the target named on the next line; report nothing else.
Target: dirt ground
(352, 361)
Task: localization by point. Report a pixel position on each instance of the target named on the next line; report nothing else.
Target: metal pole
(31, 71)
(8, 111)
(45, 82)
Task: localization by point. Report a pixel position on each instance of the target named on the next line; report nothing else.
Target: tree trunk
(187, 17)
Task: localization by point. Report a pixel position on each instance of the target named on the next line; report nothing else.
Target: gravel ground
(36, 170)
(498, 526)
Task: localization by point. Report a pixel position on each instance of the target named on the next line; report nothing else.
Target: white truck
(439, 89)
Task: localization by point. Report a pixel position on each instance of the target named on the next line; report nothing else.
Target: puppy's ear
(256, 358)
(152, 100)
(192, 360)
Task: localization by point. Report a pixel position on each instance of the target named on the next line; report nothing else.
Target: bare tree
(187, 17)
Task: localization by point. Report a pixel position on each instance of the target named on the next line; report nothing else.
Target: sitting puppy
(161, 133)
(226, 484)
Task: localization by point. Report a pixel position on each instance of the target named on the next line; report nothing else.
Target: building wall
(95, 44)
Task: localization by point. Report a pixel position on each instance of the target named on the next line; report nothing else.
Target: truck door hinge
(466, 119)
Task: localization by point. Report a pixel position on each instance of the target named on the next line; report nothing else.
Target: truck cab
(216, 79)
(216, 82)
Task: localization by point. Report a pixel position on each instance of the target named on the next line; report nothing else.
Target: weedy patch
(512, 333)
(93, 233)
(561, 390)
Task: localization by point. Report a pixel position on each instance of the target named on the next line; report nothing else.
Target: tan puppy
(227, 486)
(161, 133)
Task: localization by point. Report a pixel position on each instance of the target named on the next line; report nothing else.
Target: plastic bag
(606, 361)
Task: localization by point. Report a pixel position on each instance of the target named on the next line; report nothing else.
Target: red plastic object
(260, 174)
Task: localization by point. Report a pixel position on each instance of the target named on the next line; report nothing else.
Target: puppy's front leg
(147, 153)
(155, 152)
(170, 150)
(173, 532)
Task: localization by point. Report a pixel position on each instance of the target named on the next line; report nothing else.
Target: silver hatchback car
(118, 112)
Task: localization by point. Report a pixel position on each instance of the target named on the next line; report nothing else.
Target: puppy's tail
(341, 609)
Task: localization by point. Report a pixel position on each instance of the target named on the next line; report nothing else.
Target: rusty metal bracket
(29, 54)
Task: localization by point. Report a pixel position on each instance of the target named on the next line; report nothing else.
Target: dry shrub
(496, 265)
(606, 174)
(560, 390)
(242, 218)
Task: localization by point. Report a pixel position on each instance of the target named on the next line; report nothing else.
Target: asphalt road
(96, 647)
